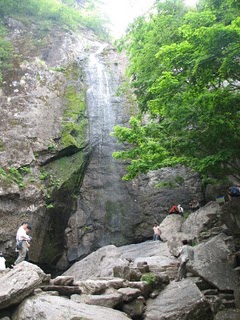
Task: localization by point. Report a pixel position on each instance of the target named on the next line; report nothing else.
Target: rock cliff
(59, 104)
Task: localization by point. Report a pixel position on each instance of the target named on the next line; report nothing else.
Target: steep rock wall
(43, 129)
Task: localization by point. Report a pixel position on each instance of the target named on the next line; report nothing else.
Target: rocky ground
(136, 281)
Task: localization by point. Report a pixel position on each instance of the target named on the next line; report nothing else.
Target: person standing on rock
(186, 254)
(23, 242)
(156, 232)
(2, 261)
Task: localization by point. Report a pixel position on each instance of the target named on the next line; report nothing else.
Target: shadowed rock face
(68, 186)
(231, 217)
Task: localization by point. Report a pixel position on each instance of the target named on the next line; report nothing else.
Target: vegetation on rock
(6, 52)
(74, 119)
(184, 68)
(66, 14)
(13, 175)
(46, 15)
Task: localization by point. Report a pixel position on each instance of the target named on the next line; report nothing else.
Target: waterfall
(105, 205)
(101, 89)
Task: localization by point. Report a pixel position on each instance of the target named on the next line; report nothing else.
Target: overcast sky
(122, 12)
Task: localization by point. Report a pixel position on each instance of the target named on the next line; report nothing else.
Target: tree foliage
(184, 67)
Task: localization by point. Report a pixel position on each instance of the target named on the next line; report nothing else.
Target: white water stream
(101, 89)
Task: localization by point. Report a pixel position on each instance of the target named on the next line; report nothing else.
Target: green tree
(184, 66)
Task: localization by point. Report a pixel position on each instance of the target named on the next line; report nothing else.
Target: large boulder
(204, 218)
(19, 283)
(179, 300)
(98, 264)
(170, 226)
(50, 307)
(175, 229)
(211, 263)
(155, 253)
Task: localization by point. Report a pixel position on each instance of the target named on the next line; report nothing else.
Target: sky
(123, 12)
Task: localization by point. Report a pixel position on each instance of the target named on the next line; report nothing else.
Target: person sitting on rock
(194, 204)
(176, 209)
(233, 192)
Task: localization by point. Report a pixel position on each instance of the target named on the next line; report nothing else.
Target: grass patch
(148, 277)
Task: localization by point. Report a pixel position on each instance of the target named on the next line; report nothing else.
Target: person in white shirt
(180, 209)
(2, 262)
(23, 239)
(156, 232)
(186, 254)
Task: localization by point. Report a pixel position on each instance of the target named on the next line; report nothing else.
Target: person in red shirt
(176, 209)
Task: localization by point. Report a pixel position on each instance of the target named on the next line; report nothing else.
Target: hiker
(2, 261)
(156, 232)
(23, 242)
(233, 192)
(186, 254)
(176, 209)
(194, 204)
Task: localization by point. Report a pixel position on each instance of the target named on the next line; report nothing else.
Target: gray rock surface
(57, 308)
(110, 300)
(19, 283)
(153, 252)
(203, 218)
(211, 262)
(100, 285)
(180, 300)
(228, 315)
(97, 264)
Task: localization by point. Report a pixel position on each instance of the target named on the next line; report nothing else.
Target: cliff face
(43, 128)
(58, 108)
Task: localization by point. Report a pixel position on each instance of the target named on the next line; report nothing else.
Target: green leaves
(185, 70)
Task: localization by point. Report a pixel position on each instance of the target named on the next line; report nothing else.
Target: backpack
(19, 244)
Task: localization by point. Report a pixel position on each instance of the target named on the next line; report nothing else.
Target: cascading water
(100, 114)
(105, 205)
